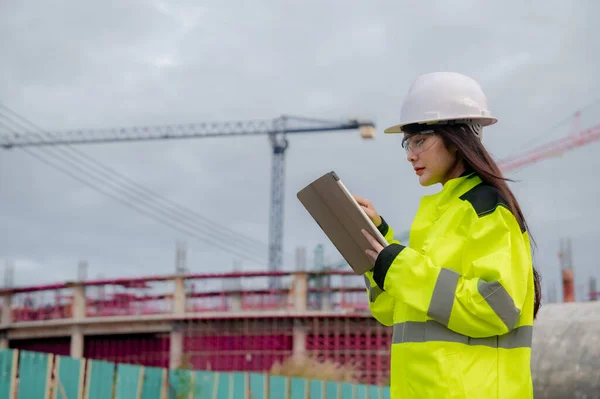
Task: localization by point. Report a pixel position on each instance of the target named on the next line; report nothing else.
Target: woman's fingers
(368, 211)
(360, 201)
(368, 208)
(363, 201)
(372, 254)
(374, 243)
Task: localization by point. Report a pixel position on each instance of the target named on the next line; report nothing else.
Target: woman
(463, 295)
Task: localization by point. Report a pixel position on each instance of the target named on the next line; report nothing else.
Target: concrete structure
(566, 351)
(165, 321)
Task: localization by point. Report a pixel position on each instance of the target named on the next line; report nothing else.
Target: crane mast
(279, 144)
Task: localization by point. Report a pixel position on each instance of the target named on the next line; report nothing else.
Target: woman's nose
(410, 156)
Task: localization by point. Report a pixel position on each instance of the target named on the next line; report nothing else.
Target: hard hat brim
(482, 120)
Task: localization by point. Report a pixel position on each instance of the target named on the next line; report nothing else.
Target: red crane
(554, 148)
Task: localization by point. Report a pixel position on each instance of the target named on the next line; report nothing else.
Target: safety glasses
(419, 142)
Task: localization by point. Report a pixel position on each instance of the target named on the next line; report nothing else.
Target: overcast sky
(71, 65)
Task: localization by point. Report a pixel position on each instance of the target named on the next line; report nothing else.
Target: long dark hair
(477, 159)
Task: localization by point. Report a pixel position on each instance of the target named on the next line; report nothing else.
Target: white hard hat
(444, 97)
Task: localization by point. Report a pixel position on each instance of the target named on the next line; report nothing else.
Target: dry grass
(312, 368)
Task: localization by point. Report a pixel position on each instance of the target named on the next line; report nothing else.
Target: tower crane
(277, 130)
(554, 148)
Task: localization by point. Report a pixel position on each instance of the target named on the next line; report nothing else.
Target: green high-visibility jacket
(460, 298)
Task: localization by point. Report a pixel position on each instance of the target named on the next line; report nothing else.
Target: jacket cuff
(383, 227)
(384, 261)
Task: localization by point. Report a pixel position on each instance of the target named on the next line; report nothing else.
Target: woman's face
(430, 158)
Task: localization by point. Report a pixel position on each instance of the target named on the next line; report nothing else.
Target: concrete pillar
(236, 301)
(79, 313)
(179, 295)
(5, 320)
(6, 310)
(176, 335)
(300, 291)
(77, 340)
(176, 351)
(299, 339)
(79, 301)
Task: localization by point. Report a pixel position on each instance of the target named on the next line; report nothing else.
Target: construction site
(281, 322)
(154, 246)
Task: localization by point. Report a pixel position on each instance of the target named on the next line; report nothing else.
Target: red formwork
(143, 349)
(56, 345)
(355, 341)
(236, 345)
(257, 344)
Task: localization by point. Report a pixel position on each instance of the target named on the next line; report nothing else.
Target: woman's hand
(377, 247)
(368, 208)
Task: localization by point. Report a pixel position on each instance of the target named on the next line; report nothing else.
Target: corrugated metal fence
(27, 375)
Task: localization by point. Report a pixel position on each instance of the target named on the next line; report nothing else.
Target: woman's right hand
(368, 208)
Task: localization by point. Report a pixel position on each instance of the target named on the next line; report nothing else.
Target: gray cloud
(69, 65)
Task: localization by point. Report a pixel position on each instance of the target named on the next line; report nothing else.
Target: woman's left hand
(377, 247)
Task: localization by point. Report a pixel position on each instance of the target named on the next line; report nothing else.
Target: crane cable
(241, 247)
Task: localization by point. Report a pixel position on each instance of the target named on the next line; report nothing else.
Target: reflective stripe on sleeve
(493, 292)
(442, 298)
(500, 301)
(412, 331)
(373, 291)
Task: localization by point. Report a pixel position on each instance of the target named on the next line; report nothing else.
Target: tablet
(341, 218)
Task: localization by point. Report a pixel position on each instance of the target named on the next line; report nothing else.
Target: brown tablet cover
(341, 219)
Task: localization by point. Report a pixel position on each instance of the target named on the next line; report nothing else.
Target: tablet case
(341, 218)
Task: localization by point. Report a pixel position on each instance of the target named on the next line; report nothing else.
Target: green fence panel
(316, 389)
(223, 385)
(128, 381)
(238, 383)
(258, 385)
(374, 392)
(6, 371)
(152, 383)
(69, 377)
(277, 386)
(101, 379)
(331, 389)
(204, 383)
(33, 374)
(362, 391)
(347, 390)
(298, 388)
(180, 383)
